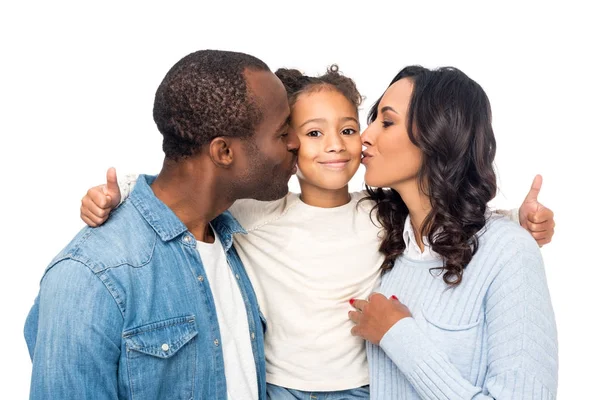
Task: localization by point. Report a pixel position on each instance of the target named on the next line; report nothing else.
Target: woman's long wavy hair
(449, 120)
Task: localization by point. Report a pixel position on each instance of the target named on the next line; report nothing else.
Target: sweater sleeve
(522, 351)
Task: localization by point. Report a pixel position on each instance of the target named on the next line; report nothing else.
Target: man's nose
(293, 143)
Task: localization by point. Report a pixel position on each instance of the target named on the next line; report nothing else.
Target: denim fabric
(275, 392)
(125, 311)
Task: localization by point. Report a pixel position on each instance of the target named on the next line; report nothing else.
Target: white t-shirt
(305, 264)
(240, 370)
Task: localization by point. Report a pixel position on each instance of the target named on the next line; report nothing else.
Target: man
(126, 310)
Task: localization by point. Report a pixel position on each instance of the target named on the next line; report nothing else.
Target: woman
(308, 254)
(464, 310)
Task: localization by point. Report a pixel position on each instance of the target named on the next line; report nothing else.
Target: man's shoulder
(125, 239)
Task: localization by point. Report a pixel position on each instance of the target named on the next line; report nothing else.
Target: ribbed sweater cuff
(427, 368)
(403, 344)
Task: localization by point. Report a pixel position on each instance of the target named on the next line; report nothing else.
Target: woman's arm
(522, 350)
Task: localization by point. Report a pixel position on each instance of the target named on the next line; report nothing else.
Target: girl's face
(390, 158)
(330, 147)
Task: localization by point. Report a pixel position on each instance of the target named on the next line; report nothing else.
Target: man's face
(271, 153)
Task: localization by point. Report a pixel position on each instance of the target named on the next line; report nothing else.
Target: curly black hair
(296, 83)
(203, 96)
(450, 121)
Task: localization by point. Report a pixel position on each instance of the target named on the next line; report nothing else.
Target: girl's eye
(387, 123)
(348, 131)
(314, 134)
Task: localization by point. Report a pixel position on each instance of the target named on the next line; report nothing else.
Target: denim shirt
(125, 311)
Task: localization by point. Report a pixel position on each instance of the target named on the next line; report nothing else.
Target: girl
(306, 254)
(464, 310)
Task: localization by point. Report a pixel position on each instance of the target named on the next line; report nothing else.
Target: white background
(77, 82)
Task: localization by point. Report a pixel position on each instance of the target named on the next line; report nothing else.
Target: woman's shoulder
(500, 231)
(504, 244)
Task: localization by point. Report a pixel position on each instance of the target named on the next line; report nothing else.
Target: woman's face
(330, 146)
(390, 158)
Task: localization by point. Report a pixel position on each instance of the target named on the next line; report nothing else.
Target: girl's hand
(99, 201)
(536, 218)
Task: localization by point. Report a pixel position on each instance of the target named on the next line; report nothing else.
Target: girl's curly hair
(296, 83)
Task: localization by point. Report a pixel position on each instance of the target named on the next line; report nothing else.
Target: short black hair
(203, 96)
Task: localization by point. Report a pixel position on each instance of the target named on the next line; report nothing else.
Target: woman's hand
(375, 316)
(99, 201)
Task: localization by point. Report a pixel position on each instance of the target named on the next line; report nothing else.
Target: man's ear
(221, 151)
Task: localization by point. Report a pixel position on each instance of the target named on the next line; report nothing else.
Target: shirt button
(201, 278)
(216, 342)
(237, 277)
(186, 239)
(165, 347)
(252, 335)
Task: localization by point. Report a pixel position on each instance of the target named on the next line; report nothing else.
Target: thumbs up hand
(111, 189)
(536, 218)
(99, 201)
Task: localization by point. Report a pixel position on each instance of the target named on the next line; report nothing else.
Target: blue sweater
(492, 337)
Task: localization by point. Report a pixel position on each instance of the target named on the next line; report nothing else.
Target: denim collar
(164, 221)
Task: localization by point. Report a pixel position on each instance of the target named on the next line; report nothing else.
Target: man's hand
(99, 201)
(536, 218)
(375, 316)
